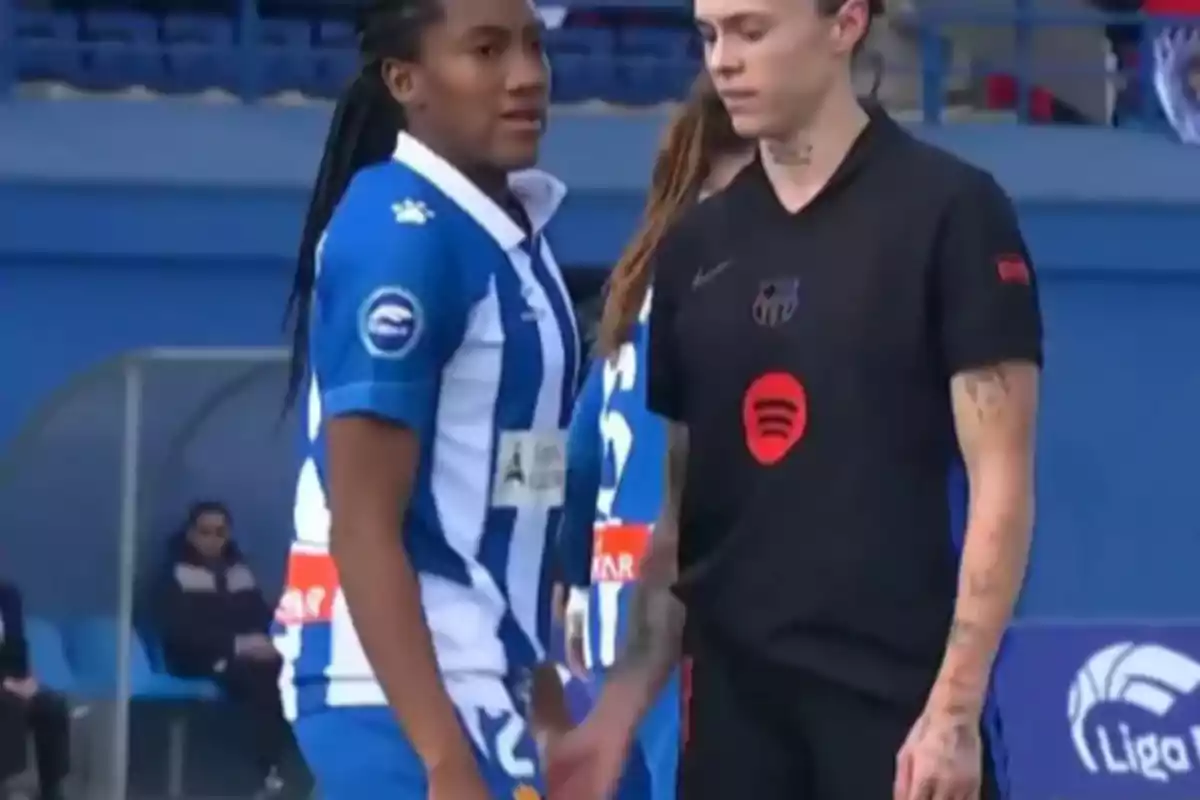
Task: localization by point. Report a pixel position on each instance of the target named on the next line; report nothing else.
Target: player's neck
(800, 164)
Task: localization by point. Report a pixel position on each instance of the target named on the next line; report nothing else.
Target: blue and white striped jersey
(435, 310)
(614, 489)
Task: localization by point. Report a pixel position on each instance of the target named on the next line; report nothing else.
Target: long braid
(362, 133)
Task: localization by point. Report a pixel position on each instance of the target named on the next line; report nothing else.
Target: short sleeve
(388, 313)
(664, 364)
(986, 284)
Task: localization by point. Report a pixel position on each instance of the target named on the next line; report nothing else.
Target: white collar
(540, 192)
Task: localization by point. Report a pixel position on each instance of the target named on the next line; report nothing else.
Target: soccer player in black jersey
(847, 345)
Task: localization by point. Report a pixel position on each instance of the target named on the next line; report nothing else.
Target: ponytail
(362, 133)
(699, 133)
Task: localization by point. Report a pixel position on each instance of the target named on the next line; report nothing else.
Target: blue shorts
(359, 752)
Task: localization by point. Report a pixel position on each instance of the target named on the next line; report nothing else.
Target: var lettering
(619, 568)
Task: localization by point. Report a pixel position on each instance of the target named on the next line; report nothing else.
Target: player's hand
(587, 762)
(256, 646)
(457, 780)
(942, 758)
(575, 621)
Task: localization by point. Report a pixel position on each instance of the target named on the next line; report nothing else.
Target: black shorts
(753, 731)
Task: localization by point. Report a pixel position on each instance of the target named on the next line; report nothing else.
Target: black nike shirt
(810, 357)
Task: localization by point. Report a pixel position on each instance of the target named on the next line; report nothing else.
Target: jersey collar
(540, 192)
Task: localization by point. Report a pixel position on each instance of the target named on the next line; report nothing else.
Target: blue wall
(108, 244)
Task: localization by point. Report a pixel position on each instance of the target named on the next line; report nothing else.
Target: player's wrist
(444, 747)
(957, 698)
(625, 699)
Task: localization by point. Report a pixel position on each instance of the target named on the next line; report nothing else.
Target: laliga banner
(1177, 80)
(1102, 712)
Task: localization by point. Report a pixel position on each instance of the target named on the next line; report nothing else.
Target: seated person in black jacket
(213, 624)
(27, 707)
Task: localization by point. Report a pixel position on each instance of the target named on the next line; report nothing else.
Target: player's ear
(403, 82)
(850, 26)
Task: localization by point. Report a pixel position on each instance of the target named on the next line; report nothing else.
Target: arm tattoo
(656, 616)
(964, 632)
(988, 389)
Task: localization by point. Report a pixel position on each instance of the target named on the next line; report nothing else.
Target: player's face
(481, 88)
(773, 61)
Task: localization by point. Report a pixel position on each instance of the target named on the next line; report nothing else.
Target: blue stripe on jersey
(520, 381)
(569, 335)
(312, 686)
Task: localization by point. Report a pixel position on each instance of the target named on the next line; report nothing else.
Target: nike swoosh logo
(707, 276)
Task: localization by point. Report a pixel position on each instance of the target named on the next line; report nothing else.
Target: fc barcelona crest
(776, 302)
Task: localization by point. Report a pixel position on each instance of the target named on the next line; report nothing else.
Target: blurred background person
(214, 624)
(617, 446)
(27, 708)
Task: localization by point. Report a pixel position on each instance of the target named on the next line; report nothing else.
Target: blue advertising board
(1102, 711)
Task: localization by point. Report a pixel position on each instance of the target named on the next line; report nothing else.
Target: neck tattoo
(790, 154)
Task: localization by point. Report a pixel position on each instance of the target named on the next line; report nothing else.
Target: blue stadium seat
(289, 61)
(47, 46)
(200, 52)
(92, 651)
(121, 49)
(582, 60)
(336, 56)
(654, 65)
(48, 655)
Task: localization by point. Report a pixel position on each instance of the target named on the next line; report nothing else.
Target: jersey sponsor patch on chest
(531, 469)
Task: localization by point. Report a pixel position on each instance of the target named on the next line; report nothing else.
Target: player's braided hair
(363, 132)
(699, 133)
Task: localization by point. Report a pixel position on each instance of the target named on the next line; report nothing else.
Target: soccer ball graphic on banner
(1148, 677)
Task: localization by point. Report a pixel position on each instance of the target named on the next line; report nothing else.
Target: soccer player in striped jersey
(617, 446)
(437, 347)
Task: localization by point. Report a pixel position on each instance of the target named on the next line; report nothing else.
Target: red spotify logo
(775, 414)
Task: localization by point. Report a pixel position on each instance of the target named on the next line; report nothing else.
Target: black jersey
(810, 356)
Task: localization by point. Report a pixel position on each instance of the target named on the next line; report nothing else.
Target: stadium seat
(653, 66)
(582, 62)
(92, 651)
(200, 52)
(336, 57)
(48, 656)
(47, 46)
(289, 60)
(121, 49)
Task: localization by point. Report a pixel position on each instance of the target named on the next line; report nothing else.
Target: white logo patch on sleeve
(390, 322)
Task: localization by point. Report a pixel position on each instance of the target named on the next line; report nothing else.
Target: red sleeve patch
(1013, 269)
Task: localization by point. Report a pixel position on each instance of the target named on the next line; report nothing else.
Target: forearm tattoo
(656, 616)
(989, 390)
